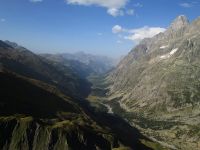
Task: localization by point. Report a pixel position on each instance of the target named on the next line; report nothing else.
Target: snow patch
(169, 54)
(163, 56)
(173, 51)
(110, 111)
(164, 46)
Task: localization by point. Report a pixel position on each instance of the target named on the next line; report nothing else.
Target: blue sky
(105, 27)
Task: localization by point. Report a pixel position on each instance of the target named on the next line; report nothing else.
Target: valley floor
(166, 134)
(100, 101)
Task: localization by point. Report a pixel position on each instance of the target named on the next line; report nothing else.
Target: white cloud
(130, 11)
(113, 6)
(138, 5)
(2, 20)
(145, 32)
(117, 29)
(35, 1)
(186, 5)
(104, 3)
(115, 12)
(138, 34)
(189, 5)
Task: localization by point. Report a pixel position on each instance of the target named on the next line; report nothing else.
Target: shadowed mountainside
(26, 63)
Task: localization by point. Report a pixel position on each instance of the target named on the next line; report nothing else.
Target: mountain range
(156, 86)
(149, 100)
(90, 64)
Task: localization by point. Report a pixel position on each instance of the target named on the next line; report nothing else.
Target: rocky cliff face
(23, 133)
(159, 81)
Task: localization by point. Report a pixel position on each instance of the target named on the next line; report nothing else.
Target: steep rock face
(159, 78)
(180, 23)
(26, 133)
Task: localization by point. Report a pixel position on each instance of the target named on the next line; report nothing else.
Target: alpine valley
(150, 100)
(156, 87)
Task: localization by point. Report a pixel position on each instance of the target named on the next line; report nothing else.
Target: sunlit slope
(159, 83)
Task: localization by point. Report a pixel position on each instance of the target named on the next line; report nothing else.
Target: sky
(102, 27)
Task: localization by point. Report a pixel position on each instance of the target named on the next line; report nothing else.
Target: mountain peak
(180, 22)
